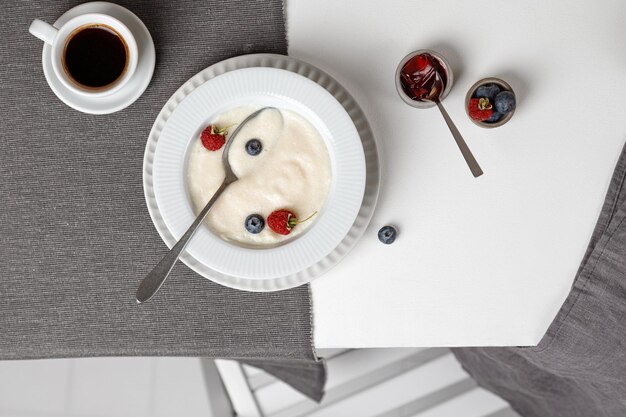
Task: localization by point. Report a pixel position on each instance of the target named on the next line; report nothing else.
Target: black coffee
(95, 56)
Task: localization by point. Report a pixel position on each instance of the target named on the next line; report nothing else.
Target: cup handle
(44, 31)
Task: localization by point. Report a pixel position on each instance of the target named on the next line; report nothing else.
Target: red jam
(419, 75)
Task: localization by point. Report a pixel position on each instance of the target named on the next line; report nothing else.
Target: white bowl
(263, 87)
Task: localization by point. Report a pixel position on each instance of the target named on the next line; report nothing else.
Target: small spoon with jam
(423, 79)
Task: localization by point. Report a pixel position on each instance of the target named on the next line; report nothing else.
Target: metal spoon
(435, 94)
(153, 281)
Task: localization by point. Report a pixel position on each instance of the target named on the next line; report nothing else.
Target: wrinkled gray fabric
(579, 367)
(75, 234)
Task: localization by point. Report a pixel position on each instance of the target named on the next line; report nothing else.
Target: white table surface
(484, 261)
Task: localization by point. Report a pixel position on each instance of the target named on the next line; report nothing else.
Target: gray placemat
(75, 234)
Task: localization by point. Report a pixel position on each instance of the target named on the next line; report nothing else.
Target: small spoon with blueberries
(424, 78)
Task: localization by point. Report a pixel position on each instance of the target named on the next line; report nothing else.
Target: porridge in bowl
(284, 174)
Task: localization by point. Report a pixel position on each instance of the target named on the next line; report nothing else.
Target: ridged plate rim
(370, 148)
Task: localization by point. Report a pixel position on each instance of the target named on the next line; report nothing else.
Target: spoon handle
(467, 154)
(153, 281)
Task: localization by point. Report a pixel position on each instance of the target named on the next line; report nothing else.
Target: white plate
(339, 225)
(135, 86)
(283, 90)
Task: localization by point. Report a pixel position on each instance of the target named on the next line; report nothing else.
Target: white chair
(361, 383)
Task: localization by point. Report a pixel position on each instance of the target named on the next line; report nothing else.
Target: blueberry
(495, 116)
(254, 223)
(505, 102)
(489, 91)
(387, 234)
(254, 147)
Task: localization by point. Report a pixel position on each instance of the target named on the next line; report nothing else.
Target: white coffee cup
(58, 38)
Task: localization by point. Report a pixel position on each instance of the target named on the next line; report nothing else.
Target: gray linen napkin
(75, 234)
(579, 367)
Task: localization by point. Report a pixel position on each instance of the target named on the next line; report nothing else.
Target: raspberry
(213, 138)
(480, 109)
(280, 221)
(283, 221)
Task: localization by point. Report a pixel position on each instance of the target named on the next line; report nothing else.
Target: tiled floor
(103, 387)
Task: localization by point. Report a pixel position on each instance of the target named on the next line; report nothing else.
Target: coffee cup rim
(94, 19)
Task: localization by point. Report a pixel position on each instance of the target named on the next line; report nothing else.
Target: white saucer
(135, 86)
